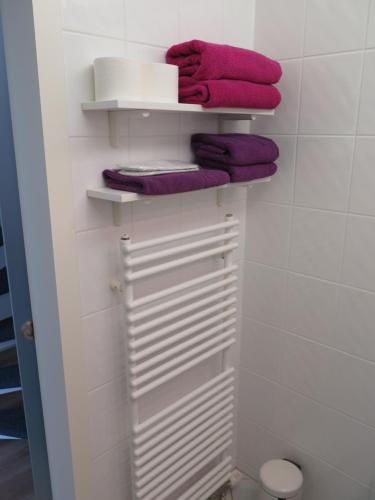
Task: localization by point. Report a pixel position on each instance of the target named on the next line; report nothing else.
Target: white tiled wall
(308, 343)
(141, 29)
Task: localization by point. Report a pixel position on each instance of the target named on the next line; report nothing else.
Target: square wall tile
(99, 263)
(366, 123)
(285, 120)
(112, 474)
(95, 16)
(280, 189)
(267, 233)
(311, 308)
(153, 26)
(323, 170)
(196, 123)
(358, 267)
(258, 399)
(262, 350)
(335, 26)
(330, 94)
(317, 243)
(154, 148)
(279, 28)
(362, 199)
(264, 294)
(239, 20)
(339, 380)
(80, 52)
(371, 26)
(202, 20)
(108, 421)
(145, 53)
(354, 332)
(155, 124)
(104, 345)
(90, 156)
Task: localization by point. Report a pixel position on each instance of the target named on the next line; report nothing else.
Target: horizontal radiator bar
(181, 287)
(168, 333)
(151, 311)
(132, 247)
(166, 266)
(218, 475)
(169, 252)
(185, 404)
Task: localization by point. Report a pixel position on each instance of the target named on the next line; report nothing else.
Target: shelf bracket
(220, 192)
(117, 214)
(220, 195)
(114, 129)
(230, 118)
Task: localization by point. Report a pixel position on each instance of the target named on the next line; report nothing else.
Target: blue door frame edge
(19, 292)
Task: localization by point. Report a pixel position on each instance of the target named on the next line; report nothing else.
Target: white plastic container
(118, 78)
(280, 479)
(160, 82)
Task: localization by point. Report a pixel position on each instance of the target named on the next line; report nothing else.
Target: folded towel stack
(244, 157)
(166, 184)
(223, 76)
(163, 177)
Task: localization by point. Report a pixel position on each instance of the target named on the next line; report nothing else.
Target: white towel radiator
(183, 451)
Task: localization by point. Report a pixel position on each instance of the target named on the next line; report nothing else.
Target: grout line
(292, 205)
(315, 209)
(124, 20)
(100, 311)
(146, 44)
(309, 398)
(124, 443)
(118, 378)
(310, 276)
(312, 341)
(294, 134)
(342, 260)
(96, 35)
(111, 37)
(328, 54)
(278, 204)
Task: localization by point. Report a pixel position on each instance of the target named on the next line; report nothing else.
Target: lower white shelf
(117, 197)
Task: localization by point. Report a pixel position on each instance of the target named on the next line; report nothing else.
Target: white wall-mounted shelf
(117, 197)
(112, 107)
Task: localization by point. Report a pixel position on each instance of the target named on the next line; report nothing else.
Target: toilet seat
(280, 478)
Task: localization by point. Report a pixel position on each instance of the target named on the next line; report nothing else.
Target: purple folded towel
(234, 149)
(168, 183)
(242, 173)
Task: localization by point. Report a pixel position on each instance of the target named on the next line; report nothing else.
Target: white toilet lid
(281, 478)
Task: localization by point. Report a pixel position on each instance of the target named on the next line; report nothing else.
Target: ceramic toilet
(280, 479)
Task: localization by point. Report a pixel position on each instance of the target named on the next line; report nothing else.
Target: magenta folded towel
(229, 94)
(209, 61)
(242, 173)
(234, 149)
(166, 184)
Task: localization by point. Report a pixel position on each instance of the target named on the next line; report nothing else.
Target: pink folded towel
(209, 61)
(228, 94)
